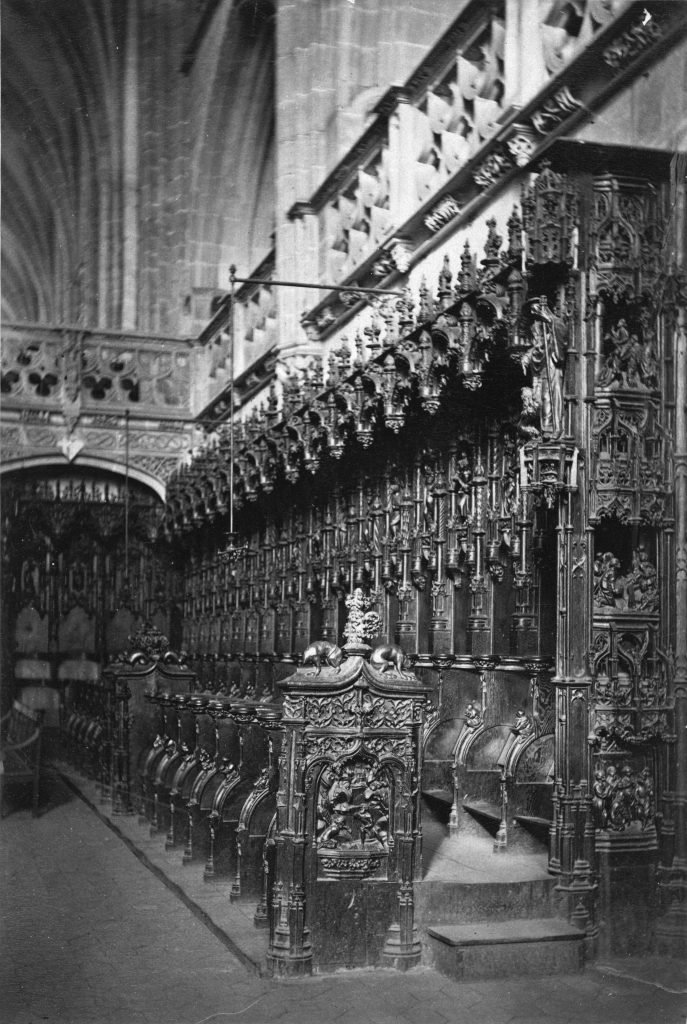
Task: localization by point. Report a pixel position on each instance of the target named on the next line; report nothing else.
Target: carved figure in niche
(637, 591)
(428, 525)
(373, 818)
(546, 359)
(644, 798)
(528, 424)
(600, 790)
(629, 363)
(644, 581)
(604, 690)
(612, 781)
(623, 693)
(609, 586)
(523, 725)
(620, 814)
(472, 717)
(394, 509)
(509, 478)
(463, 481)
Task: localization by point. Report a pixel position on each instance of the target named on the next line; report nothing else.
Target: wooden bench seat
(20, 751)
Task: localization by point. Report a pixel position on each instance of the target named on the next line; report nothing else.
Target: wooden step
(526, 834)
(452, 903)
(438, 802)
(502, 949)
(538, 827)
(481, 809)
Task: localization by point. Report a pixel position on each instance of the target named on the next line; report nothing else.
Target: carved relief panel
(352, 801)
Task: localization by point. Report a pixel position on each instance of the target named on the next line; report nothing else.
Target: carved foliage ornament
(642, 34)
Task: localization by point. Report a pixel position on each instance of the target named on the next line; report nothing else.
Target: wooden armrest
(7, 747)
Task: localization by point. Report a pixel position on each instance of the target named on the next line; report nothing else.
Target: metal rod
(322, 287)
(126, 495)
(231, 403)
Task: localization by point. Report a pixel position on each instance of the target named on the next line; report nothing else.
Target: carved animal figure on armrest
(388, 657)
(323, 653)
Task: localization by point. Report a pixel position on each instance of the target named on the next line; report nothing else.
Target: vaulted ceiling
(62, 71)
(122, 136)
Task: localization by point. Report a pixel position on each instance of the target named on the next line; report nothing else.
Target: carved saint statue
(546, 359)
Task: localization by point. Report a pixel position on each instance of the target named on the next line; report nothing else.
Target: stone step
(502, 949)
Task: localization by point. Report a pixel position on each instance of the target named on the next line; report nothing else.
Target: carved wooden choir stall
(444, 614)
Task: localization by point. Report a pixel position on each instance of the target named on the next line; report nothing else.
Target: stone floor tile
(109, 943)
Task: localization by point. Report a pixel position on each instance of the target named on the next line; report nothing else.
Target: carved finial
(493, 242)
(445, 278)
(425, 304)
(344, 357)
(514, 226)
(363, 624)
(148, 640)
(358, 361)
(372, 335)
(406, 320)
(466, 278)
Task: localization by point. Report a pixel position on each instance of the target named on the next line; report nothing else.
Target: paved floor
(91, 936)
